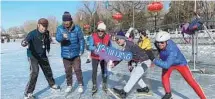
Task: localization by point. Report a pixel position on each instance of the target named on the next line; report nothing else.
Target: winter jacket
(171, 56)
(94, 40)
(138, 54)
(39, 43)
(145, 44)
(74, 44)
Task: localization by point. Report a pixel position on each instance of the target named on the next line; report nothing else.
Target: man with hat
(138, 71)
(38, 42)
(71, 38)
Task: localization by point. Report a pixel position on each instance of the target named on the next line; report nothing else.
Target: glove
(111, 64)
(24, 43)
(152, 65)
(130, 68)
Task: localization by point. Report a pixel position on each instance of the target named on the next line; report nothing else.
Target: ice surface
(15, 74)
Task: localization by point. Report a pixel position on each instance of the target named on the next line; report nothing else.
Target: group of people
(71, 39)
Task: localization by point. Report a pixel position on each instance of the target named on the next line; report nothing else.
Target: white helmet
(162, 36)
(101, 26)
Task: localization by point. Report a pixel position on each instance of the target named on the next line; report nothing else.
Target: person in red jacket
(100, 37)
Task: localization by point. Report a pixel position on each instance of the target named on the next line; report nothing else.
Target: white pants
(136, 76)
(88, 55)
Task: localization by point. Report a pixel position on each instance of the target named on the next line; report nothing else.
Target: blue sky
(15, 13)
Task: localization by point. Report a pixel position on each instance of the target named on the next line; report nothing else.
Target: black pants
(34, 71)
(103, 65)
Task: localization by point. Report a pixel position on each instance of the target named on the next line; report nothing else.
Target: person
(88, 34)
(138, 71)
(2, 40)
(100, 37)
(8, 39)
(71, 38)
(171, 58)
(38, 44)
(131, 36)
(145, 44)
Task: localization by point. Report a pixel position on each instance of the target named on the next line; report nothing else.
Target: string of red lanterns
(117, 16)
(155, 6)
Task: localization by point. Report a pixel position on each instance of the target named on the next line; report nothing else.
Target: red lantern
(155, 6)
(86, 26)
(117, 16)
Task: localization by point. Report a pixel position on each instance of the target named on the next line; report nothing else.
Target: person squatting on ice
(100, 37)
(171, 58)
(138, 71)
(71, 38)
(38, 42)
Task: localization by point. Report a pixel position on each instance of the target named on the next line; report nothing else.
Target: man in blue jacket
(171, 58)
(71, 38)
(38, 42)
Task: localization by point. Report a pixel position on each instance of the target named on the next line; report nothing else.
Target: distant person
(146, 45)
(8, 39)
(171, 58)
(2, 40)
(71, 38)
(88, 34)
(38, 44)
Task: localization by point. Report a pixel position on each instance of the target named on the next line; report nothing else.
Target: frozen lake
(15, 74)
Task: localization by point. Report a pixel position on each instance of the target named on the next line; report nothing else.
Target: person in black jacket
(38, 42)
(138, 71)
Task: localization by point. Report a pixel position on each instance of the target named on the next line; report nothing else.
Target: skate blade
(117, 96)
(144, 94)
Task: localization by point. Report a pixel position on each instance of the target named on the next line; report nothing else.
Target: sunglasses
(116, 39)
(101, 31)
(159, 42)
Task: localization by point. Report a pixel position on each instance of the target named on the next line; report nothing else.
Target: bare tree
(53, 23)
(29, 26)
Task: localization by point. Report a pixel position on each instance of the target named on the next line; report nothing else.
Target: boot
(80, 88)
(29, 96)
(167, 96)
(68, 89)
(94, 89)
(120, 92)
(55, 87)
(144, 90)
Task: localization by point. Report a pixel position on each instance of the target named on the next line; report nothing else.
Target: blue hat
(67, 16)
(120, 35)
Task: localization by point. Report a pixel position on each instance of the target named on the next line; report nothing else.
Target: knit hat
(143, 32)
(44, 22)
(120, 35)
(66, 16)
(101, 26)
